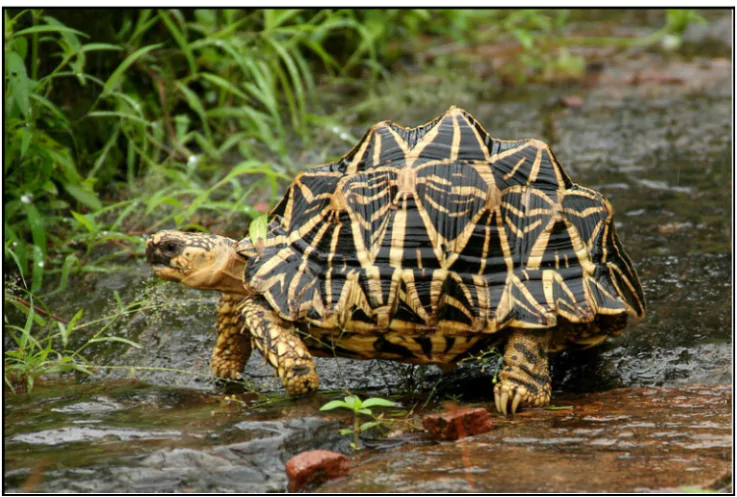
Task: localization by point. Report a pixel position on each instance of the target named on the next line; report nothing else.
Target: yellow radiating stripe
(483, 296)
(435, 237)
(381, 211)
(377, 148)
(454, 302)
(288, 209)
(606, 310)
(535, 170)
(629, 284)
(457, 245)
(412, 298)
(455, 146)
(504, 243)
(507, 153)
(523, 289)
(292, 291)
(426, 140)
(584, 213)
(364, 200)
(485, 249)
(399, 229)
(329, 272)
(511, 208)
(436, 205)
(515, 168)
(514, 228)
(538, 248)
(547, 282)
(378, 238)
(479, 138)
(400, 143)
(353, 166)
(373, 282)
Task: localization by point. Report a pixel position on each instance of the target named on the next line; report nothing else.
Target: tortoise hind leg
(524, 379)
(233, 347)
(282, 348)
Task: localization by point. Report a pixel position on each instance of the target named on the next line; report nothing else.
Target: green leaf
(181, 40)
(114, 79)
(85, 221)
(369, 424)
(49, 29)
(18, 82)
(115, 339)
(92, 47)
(84, 196)
(63, 121)
(69, 262)
(224, 84)
(26, 136)
(377, 401)
(194, 103)
(353, 402)
(36, 223)
(258, 230)
(70, 327)
(334, 404)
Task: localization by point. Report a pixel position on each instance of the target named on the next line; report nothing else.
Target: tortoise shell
(442, 230)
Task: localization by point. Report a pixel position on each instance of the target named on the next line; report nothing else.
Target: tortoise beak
(154, 256)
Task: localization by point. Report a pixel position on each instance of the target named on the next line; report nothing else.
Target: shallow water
(660, 153)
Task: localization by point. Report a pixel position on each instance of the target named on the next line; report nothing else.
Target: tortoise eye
(170, 246)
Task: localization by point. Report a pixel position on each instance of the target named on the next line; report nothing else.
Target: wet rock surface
(134, 437)
(624, 440)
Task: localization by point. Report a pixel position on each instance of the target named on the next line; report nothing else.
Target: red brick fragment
(458, 423)
(572, 101)
(314, 467)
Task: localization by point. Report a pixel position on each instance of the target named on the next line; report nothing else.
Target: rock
(458, 423)
(314, 467)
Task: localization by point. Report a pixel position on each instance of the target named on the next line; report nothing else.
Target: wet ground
(652, 131)
(129, 436)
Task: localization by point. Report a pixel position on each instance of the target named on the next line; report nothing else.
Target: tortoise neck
(231, 267)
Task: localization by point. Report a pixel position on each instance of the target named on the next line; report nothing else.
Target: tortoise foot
(509, 396)
(524, 380)
(300, 379)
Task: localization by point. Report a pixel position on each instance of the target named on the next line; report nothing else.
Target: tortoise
(423, 245)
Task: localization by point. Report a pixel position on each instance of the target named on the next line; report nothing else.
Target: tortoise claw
(518, 394)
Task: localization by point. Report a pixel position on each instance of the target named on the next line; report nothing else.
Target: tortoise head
(199, 260)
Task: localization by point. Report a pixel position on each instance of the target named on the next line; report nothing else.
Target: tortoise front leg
(525, 378)
(282, 348)
(233, 347)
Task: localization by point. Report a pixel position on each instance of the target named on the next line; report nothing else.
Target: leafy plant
(38, 165)
(51, 353)
(359, 407)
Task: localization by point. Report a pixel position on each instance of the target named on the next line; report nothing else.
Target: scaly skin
(281, 347)
(233, 347)
(525, 379)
